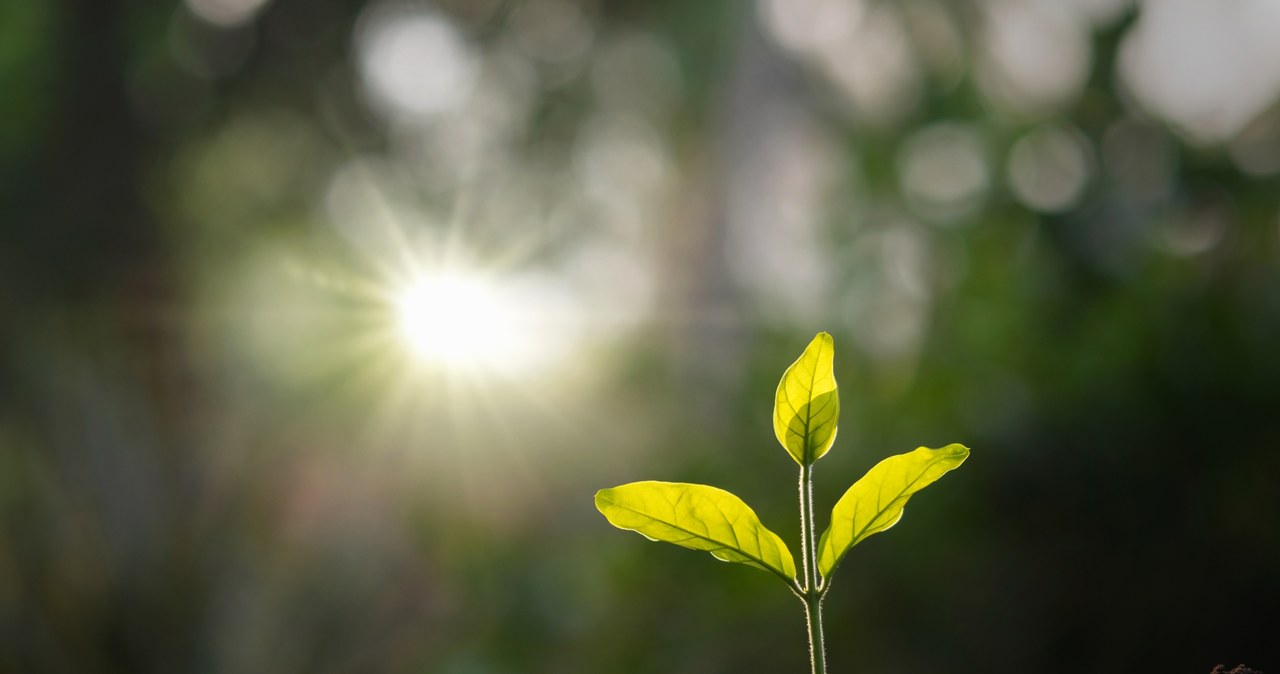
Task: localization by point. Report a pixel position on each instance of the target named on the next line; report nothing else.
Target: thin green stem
(813, 618)
(812, 592)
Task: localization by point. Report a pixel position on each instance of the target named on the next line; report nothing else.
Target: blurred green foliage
(215, 457)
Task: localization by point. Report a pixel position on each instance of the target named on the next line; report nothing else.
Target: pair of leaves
(700, 517)
(806, 412)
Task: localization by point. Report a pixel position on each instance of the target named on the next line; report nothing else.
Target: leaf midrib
(704, 537)
(857, 538)
(810, 448)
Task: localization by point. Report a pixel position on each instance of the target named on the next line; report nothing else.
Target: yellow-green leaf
(807, 406)
(875, 502)
(698, 517)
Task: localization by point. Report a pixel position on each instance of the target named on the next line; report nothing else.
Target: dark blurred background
(324, 319)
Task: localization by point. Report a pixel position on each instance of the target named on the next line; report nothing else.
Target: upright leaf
(698, 517)
(875, 502)
(807, 406)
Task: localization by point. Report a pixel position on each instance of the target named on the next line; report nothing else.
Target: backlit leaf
(698, 517)
(806, 408)
(875, 502)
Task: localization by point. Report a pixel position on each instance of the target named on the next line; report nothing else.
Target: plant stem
(813, 617)
(812, 592)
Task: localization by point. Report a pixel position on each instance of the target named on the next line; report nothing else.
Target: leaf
(698, 517)
(875, 502)
(807, 407)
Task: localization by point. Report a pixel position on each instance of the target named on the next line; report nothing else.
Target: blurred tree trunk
(95, 239)
(94, 381)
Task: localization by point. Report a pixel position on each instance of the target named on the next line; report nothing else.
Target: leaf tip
(823, 342)
(603, 498)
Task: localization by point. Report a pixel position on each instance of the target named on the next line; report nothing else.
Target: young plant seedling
(805, 413)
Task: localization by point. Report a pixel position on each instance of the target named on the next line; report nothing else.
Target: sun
(454, 319)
